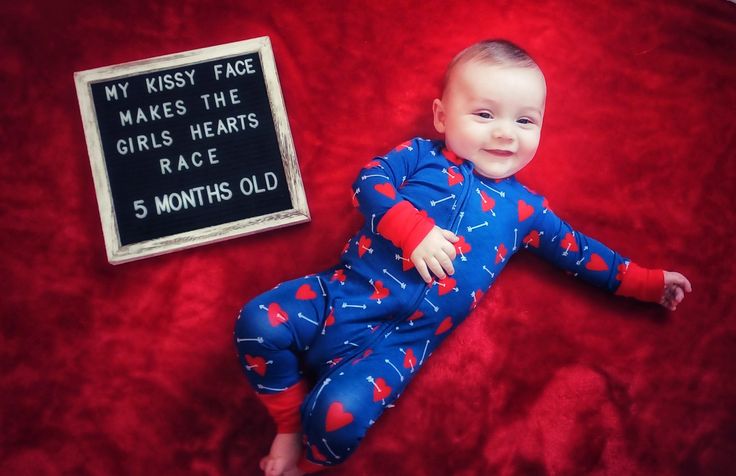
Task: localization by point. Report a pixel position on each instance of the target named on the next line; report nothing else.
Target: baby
(442, 219)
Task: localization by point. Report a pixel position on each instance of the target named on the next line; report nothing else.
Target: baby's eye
(484, 114)
(525, 120)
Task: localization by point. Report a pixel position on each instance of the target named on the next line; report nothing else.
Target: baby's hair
(495, 52)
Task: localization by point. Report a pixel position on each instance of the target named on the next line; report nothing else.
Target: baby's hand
(675, 287)
(435, 253)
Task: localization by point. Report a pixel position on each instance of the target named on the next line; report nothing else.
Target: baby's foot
(285, 452)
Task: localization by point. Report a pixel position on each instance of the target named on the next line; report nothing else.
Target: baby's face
(492, 116)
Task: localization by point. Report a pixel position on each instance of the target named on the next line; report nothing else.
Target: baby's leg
(349, 400)
(270, 332)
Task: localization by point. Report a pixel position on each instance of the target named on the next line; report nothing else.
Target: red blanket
(130, 369)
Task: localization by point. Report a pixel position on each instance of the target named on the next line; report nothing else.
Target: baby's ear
(438, 111)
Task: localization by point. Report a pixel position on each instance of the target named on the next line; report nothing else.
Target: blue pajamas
(365, 327)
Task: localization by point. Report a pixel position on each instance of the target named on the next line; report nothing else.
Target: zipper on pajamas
(310, 403)
(467, 186)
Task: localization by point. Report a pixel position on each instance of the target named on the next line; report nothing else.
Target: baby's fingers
(423, 272)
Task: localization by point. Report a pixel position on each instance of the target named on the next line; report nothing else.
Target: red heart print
(258, 364)
(337, 417)
(416, 315)
(316, 454)
(486, 203)
(403, 145)
(339, 275)
(410, 359)
(365, 354)
(621, 271)
(356, 204)
(406, 263)
(462, 246)
(386, 189)
(382, 391)
(501, 253)
(276, 315)
(532, 239)
(444, 326)
(476, 299)
(446, 285)
(596, 263)
(568, 243)
(454, 177)
(305, 292)
(372, 164)
(363, 245)
(452, 157)
(330, 319)
(525, 210)
(380, 291)
(347, 247)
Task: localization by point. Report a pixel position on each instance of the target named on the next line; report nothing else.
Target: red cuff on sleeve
(642, 283)
(405, 226)
(284, 407)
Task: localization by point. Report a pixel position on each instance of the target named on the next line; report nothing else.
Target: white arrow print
(435, 202)
(330, 449)
(477, 190)
(582, 258)
(403, 285)
(500, 256)
(256, 365)
(515, 237)
(257, 339)
(324, 384)
(375, 175)
(526, 243)
(424, 353)
(319, 281)
(261, 387)
(462, 214)
(502, 194)
(369, 250)
(307, 319)
(397, 370)
(278, 314)
(436, 309)
(488, 271)
(410, 362)
(361, 306)
(471, 228)
(444, 285)
(400, 258)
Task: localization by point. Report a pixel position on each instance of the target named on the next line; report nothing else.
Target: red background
(130, 369)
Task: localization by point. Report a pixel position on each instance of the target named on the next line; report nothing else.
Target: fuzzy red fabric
(130, 369)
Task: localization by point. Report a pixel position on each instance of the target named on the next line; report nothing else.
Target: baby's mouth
(500, 152)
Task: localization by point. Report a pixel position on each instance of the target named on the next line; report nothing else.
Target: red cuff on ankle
(641, 283)
(284, 407)
(405, 226)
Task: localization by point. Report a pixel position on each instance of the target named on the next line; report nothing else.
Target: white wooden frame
(117, 253)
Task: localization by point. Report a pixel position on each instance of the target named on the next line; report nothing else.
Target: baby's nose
(502, 132)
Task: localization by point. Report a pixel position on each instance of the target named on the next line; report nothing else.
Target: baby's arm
(377, 193)
(601, 266)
